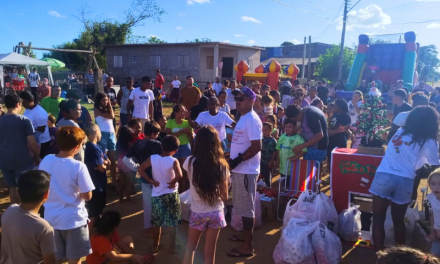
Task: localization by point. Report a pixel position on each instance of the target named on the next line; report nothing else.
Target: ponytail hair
(176, 109)
(107, 222)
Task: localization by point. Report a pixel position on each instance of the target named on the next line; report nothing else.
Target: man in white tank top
(122, 98)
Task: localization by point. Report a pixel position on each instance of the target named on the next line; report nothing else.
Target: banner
(351, 173)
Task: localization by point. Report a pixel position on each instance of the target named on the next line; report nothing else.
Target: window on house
(183, 62)
(155, 62)
(134, 59)
(209, 62)
(117, 61)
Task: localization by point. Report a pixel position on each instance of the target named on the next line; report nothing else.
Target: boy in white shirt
(164, 198)
(70, 187)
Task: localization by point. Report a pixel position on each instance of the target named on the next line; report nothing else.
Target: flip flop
(235, 238)
(238, 254)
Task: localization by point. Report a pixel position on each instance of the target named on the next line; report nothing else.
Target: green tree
(428, 61)
(155, 40)
(327, 67)
(287, 44)
(198, 40)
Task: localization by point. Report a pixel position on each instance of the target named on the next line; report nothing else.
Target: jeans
(267, 174)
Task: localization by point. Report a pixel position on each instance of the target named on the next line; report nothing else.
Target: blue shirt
(93, 157)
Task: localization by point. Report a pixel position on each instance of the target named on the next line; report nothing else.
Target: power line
(306, 11)
(334, 19)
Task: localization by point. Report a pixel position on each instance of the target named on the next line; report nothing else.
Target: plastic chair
(304, 176)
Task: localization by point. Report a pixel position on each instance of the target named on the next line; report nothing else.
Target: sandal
(235, 238)
(234, 253)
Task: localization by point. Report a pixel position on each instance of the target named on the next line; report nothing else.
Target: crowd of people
(54, 159)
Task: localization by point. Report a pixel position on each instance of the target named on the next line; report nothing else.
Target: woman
(104, 116)
(338, 126)
(259, 108)
(300, 94)
(411, 147)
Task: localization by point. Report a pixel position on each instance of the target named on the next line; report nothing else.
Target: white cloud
(55, 14)
(182, 14)
(178, 28)
(249, 19)
(295, 41)
(226, 41)
(238, 35)
(251, 41)
(191, 2)
(433, 25)
(371, 16)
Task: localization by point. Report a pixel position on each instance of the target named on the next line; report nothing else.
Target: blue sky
(259, 22)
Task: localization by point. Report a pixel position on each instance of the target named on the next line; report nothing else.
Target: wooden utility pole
(309, 65)
(341, 52)
(99, 83)
(304, 60)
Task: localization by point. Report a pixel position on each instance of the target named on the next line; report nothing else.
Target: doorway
(228, 67)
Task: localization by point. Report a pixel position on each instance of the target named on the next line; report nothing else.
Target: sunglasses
(238, 99)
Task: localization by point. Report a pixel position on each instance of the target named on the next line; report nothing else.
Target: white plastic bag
(325, 212)
(350, 223)
(185, 205)
(327, 246)
(304, 208)
(411, 217)
(237, 222)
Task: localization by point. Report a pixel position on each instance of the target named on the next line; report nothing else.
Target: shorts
(174, 95)
(11, 176)
(44, 150)
(166, 210)
(202, 221)
(183, 151)
(244, 188)
(97, 204)
(396, 188)
(124, 119)
(315, 154)
(108, 141)
(435, 248)
(72, 243)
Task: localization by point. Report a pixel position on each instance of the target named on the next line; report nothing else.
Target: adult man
(217, 86)
(142, 99)
(52, 104)
(323, 93)
(189, 95)
(85, 115)
(245, 164)
(230, 98)
(34, 80)
(16, 133)
(314, 131)
(90, 81)
(122, 98)
(423, 86)
(363, 88)
(44, 90)
(159, 81)
(104, 77)
(175, 86)
(399, 102)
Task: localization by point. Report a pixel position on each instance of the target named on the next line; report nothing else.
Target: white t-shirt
(105, 124)
(218, 122)
(33, 79)
(352, 111)
(225, 109)
(248, 128)
(64, 209)
(197, 204)
(403, 159)
(141, 102)
(217, 87)
(162, 169)
(400, 119)
(176, 84)
(435, 205)
(230, 99)
(38, 117)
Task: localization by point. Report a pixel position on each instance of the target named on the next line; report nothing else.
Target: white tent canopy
(18, 59)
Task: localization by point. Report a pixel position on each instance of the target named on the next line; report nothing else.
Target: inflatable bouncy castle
(391, 61)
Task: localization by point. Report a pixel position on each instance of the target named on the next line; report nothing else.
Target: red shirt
(100, 246)
(159, 81)
(136, 138)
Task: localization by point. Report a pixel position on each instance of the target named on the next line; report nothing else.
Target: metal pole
(304, 60)
(341, 52)
(309, 65)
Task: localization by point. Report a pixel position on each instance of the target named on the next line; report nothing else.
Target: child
(70, 186)
(268, 153)
(407, 255)
(222, 100)
(127, 177)
(53, 148)
(162, 121)
(281, 117)
(97, 162)
(164, 198)
(267, 101)
(285, 145)
(136, 127)
(273, 120)
(26, 237)
(434, 200)
(208, 173)
(297, 101)
(106, 240)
